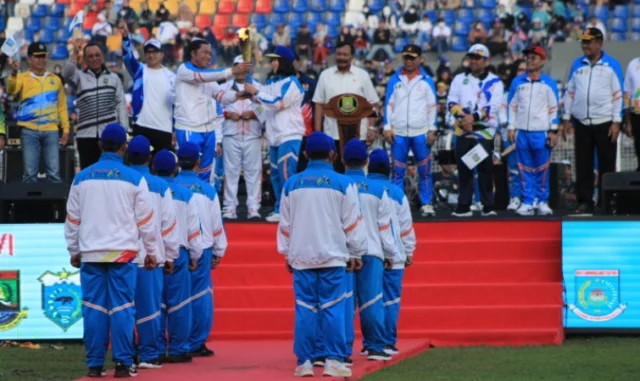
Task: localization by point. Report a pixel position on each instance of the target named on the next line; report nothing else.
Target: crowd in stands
(378, 29)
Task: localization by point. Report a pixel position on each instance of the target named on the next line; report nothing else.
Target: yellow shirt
(43, 101)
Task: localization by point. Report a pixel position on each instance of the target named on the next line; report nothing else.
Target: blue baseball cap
(355, 149)
(139, 146)
(319, 142)
(165, 161)
(114, 133)
(282, 52)
(379, 158)
(188, 151)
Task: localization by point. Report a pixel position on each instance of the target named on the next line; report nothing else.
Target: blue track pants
(108, 294)
(284, 163)
(315, 290)
(370, 304)
(515, 183)
(201, 301)
(177, 318)
(391, 292)
(534, 156)
(148, 305)
(422, 155)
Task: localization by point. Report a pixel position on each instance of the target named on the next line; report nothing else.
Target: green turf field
(598, 359)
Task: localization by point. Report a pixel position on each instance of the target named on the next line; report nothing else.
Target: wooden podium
(348, 110)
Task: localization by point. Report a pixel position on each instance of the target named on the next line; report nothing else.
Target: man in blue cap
(108, 212)
(176, 313)
(376, 211)
(150, 285)
(320, 240)
(214, 243)
(405, 238)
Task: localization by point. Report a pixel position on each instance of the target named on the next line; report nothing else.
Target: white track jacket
(281, 97)
(410, 105)
(632, 87)
(162, 200)
(208, 206)
(594, 93)
(196, 91)
(376, 210)
(320, 219)
(533, 104)
(251, 128)
(186, 207)
(109, 213)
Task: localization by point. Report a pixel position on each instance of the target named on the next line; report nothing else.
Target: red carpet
(261, 361)
(473, 283)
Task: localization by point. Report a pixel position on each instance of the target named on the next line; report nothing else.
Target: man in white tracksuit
(410, 123)
(150, 283)
(177, 315)
(405, 238)
(196, 113)
(376, 212)
(319, 240)
(533, 113)
(242, 145)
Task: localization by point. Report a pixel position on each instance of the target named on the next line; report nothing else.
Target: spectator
(259, 41)
(320, 40)
(230, 46)
(632, 104)
(371, 21)
(595, 23)
(185, 17)
(101, 99)
(441, 35)
(162, 14)
(497, 43)
(281, 37)
(505, 16)
(424, 33)
(304, 42)
(381, 42)
(517, 42)
(101, 30)
(146, 18)
(409, 21)
(109, 13)
(388, 18)
(541, 14)
(127, 14)
(477, 35)
(345, 36)
(538, 34)
(167, 34)
(43, 108)
(361, 45)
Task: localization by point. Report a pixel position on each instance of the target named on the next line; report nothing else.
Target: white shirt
(167, 32)
(632, 86)
(332, 83)
(155, 113)
(441, 30)
(247, 128)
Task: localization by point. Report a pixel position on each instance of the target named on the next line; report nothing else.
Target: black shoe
(462, 211)
(488, 211)
(584, 210)
(348, 361)
(203, 351)
(96, 372)
(364, 352)
(391, 350)
(179, 359)
(123, 371)
(319, 362)
(378, 356)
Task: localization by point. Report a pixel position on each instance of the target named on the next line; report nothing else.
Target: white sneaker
(535, 203)
(273, 217)
(149, 365)
(334, 368)
(427, 211)
(544, 209)
(254, 214)
(229, 216)
(304, 370)
(476, 207)
(525, 210)
(514, 204)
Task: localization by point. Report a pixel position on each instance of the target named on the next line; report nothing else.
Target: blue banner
(40, 295)
(601, 269)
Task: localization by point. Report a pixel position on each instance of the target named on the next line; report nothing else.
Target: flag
(77, 21)
(10, 47)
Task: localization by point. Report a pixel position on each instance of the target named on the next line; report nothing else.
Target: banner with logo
(601, 269)
(40, 295)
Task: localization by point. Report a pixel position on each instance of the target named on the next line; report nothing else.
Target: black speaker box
(621, 193)
(42, 202)
(501, 186)
(14, 168)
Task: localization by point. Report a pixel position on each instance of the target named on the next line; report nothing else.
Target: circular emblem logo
(347, 105)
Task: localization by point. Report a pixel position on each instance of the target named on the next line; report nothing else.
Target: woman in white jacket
(279, 101)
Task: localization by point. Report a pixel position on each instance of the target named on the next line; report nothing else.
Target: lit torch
(244, 35)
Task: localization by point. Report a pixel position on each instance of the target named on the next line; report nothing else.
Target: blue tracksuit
(108, 289)
(284, 163)
(533, 155)
(177, 317)
(515, 183)
(392, 290)
(422, 155)
(350, 312)
(149, 289)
